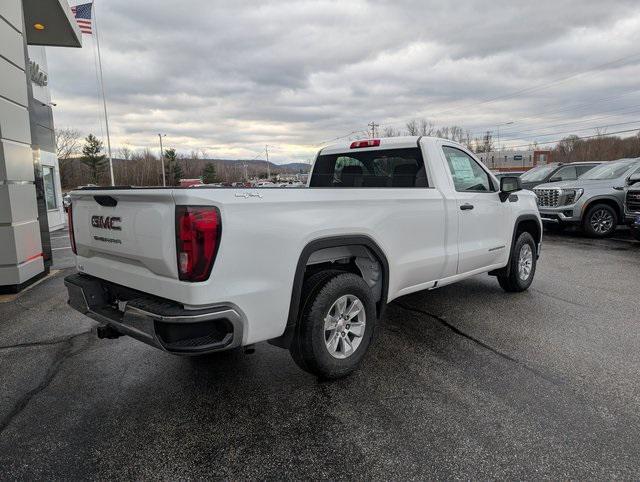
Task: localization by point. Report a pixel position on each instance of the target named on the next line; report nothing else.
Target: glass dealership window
(49, 187)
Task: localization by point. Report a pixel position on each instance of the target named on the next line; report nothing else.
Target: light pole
(164, 181)
(266, 151)
(498, 126)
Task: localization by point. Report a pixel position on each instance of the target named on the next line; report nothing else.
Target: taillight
(367, 143)
(198, 231)
(72, 236)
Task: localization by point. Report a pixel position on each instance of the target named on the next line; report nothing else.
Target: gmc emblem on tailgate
(109, 222)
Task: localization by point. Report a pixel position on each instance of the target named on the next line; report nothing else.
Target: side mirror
(509, 184)
(633, 178)
(555, 179)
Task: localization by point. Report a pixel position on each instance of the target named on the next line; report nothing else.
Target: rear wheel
(522, 266)
(336, 325)
(600, 221)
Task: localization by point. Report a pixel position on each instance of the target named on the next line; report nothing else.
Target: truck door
(482, 218)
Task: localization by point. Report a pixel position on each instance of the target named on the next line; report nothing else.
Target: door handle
(466, 207)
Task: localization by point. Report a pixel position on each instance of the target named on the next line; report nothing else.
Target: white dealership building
(30, 195)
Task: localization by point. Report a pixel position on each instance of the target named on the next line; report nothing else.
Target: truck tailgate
(134, 229)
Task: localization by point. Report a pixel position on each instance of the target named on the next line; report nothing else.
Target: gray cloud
(237, 75)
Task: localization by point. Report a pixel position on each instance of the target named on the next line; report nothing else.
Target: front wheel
(600, 221)
(635, 232)
(336, 326)
(522, 265)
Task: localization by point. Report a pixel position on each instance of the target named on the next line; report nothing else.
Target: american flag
(83, 16)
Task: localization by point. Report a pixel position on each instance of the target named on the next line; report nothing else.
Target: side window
(467, 174)
(582, 169)
(567, 173)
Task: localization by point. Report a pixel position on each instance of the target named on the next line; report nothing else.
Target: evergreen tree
(172, 168)
(92, 158)
(209, 175)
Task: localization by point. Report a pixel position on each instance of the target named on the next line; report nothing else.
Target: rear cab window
(380, 168)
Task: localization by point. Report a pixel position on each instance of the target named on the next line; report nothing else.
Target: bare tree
(412, 127)
(485, 144)
(124, 153)
(68, 142)
(391, 132)
(426, 128)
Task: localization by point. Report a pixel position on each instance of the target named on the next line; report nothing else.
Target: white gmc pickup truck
(198, 270)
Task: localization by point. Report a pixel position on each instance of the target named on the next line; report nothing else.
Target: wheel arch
(321, 245)
(529, 223)
(607, 200)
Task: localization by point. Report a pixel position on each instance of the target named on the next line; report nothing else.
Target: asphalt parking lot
(462, 382)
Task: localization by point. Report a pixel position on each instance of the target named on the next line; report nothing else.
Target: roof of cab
(385, 143)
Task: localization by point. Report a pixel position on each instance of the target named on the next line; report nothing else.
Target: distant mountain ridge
(290, 167)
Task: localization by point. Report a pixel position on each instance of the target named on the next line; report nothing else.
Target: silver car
(595, 200)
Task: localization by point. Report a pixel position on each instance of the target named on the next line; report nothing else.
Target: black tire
(600, 221)
(514, 282)
(308, 347)
(635, 232)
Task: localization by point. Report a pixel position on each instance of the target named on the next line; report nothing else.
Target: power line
(536, 129)
(573, 130)
(578, 107)
(578, 138)
(531, 89)
(546, 85)
(341, 137)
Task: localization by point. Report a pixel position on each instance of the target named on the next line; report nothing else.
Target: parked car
(595, 200)
(190, 182)
(555, 172)
(194, 271)
(266, 184)
(632, 205)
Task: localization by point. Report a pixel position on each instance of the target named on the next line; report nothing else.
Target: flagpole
(104, 99)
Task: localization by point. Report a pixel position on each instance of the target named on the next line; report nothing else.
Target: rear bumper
(160, 323)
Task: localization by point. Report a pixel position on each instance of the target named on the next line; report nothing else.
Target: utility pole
(266, 151)
(160, 136)
(373, 126)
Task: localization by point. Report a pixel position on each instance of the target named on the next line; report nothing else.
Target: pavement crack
(53, 341)
(66, 352)
(478, 342)
(564, 300)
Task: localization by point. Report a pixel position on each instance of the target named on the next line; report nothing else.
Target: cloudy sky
(229, 77)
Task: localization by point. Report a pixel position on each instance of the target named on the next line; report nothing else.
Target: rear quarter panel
(264, 234)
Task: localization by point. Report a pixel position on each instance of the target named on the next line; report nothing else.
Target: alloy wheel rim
(344, 326)
(525, 262)
(602, 221)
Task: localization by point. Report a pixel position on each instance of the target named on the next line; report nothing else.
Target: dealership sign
(37, 76)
